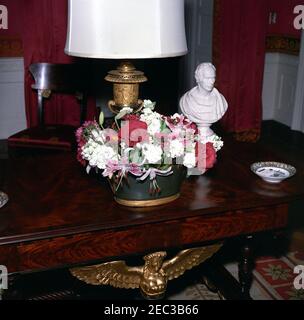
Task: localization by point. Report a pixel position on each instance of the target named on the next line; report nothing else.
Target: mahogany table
(58, 216)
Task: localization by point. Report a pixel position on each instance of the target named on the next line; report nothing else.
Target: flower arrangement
(144, 145)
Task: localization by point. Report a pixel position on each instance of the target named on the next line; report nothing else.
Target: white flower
(152, 153)
(88, 149)
(189, 160)
(147, 112)
(154, 126)
(152, 119)
(148, 104)
(215, 140)
(97, 135)
(97, 154)
(176, 148)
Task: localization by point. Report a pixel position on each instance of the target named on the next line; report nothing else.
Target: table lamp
(126, 29)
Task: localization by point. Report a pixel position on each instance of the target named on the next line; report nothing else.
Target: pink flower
(111, 136)
(79, 157)
(124, 166)
(179, 122)
(111, 167)
(81, 139)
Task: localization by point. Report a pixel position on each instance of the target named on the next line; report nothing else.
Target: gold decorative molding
(147, 203)
(283, 44)
(10, 47)
(115, 109)
(126, 80)
(152, 277)
(46, 93)
(126, 73)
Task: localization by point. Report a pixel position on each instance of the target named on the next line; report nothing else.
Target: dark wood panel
(63, 251)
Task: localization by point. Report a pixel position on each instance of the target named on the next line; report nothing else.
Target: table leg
(246, 267)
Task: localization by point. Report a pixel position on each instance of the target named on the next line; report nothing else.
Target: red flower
(133, 131)
(79, 157)
(205, 156)
(131, 117)
(211, 155)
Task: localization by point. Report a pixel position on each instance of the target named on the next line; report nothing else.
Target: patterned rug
(276, 276)
(195, 292)
(273, 280)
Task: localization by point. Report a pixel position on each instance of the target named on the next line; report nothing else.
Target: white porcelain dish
(273, 172)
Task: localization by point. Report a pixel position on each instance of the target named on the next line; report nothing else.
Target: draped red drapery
(239, 39)
(44, 35)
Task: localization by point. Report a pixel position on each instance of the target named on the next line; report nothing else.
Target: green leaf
(165, 166)
(135, 156)
(162, 125)
(101, 118)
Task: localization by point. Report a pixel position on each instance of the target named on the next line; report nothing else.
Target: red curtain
(44, 35)
(239, 52)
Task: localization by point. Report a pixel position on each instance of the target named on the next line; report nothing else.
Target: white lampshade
(126, 29)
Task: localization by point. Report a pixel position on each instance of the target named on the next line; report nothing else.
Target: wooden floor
(59, 284)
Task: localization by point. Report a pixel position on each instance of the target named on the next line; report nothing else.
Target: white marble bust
(204, 104)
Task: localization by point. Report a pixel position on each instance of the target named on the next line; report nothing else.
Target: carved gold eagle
(152, 277)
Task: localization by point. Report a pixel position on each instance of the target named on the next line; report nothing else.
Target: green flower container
(135, 193)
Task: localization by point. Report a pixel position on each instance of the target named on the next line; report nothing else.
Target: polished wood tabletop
(59, 216)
